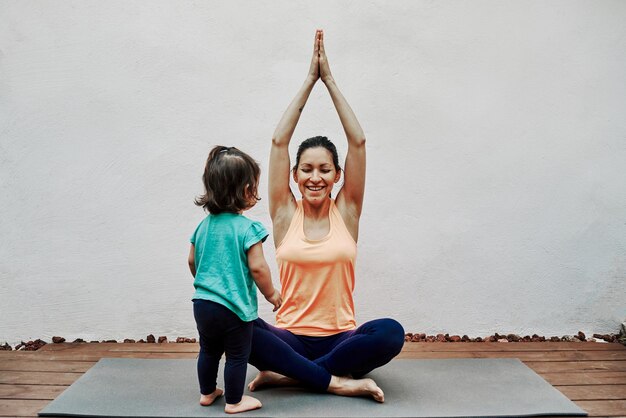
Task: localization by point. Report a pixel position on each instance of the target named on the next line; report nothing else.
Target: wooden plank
(604, 408)
(91, 356)
(522, 355)
(44, 365)
(38, 378)
(44, 392)
(88, 356)
(17, 354)
(76, 356)
(50, 356)
(169, 348)
(585, 378)
(576, 366)
(163, 347)
(94, 357)
(489, 346)
(74, 347)
(21, 407)
(594, 392)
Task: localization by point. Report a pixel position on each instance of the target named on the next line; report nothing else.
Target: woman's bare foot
(345, 386)
(206, 400)
(247, 403)
(269, 378)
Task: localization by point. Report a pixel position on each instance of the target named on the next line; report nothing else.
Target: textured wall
(496, 193)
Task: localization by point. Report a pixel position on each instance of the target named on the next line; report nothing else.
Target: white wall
(496, 194)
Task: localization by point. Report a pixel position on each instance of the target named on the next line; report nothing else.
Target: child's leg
(206, 314)
(208, 364)
(237, 344)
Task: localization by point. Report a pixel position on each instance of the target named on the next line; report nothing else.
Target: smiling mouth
(315, 188)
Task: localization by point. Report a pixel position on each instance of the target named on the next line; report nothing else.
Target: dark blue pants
(312, 360)
(222, 331)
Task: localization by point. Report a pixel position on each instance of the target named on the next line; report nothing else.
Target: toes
(380, 396)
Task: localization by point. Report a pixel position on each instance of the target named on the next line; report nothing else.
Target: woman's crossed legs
(335, 364)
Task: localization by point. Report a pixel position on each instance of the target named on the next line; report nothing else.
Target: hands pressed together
(319, 68)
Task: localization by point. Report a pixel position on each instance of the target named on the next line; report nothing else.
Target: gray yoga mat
(413, 388)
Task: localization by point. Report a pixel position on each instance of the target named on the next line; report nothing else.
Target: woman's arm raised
(350, 197)
(281, 200)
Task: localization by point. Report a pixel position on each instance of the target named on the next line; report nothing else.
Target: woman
(316, 341)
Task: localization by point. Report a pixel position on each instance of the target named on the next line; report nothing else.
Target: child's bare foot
(206, 400)
(345, 386)
(247, 403)
(269, 378)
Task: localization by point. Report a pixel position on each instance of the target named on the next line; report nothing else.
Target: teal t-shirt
(222, 275)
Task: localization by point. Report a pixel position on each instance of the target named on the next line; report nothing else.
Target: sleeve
(194, 236)
(255, 233)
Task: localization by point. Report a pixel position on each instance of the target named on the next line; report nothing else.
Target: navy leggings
(312, 360)
(222, 331)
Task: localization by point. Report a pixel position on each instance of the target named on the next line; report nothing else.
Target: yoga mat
(413, 388)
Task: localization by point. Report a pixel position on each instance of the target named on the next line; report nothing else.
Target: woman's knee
(389, 332)
(396, 333)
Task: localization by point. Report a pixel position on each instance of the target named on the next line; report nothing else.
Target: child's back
(221, 245)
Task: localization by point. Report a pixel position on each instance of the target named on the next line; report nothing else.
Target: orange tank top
(317, 278)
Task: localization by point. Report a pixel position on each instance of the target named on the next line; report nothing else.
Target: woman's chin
(313, 197)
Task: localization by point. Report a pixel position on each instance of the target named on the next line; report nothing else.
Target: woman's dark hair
(230, 179)
(317, 142)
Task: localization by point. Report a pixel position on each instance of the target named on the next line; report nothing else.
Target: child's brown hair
(230, 179)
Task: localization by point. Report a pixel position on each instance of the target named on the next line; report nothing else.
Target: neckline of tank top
(330, 225)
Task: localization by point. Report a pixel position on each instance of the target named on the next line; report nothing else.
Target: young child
(226, 260)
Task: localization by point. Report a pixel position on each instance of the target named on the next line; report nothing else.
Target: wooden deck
(593, 375)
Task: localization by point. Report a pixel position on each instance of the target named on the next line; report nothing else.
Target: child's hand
(275, 300)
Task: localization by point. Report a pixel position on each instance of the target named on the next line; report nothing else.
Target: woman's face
(316, 174)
